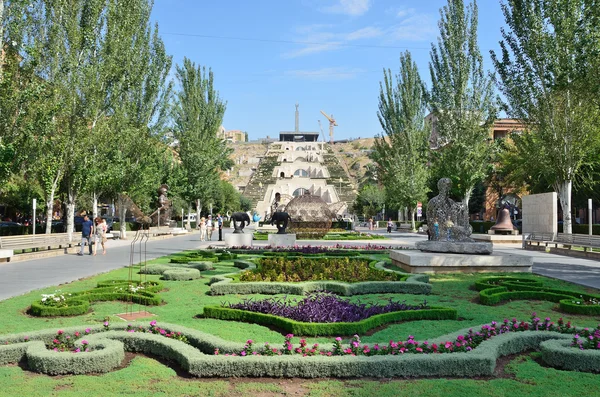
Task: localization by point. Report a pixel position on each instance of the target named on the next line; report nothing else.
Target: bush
(328, 329)
(482, 227)
(181, 274)
(155, 269)
(201, 266)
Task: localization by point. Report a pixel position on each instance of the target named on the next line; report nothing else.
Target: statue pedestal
(459, 247)
(282, 240)
(238, 240)
(432, 262)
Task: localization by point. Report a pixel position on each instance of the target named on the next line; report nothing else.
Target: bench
(540, 238)
(24, 242)
(578, 240)
(159, 230)
(6, 254)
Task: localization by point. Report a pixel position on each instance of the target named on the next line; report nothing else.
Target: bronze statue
(243, 219)
(280, 219)
(162, 216)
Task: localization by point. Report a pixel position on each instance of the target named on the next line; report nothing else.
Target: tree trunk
(122, 209)
(49, 210)
(413, 211)
(198, 212)
(70, 214)
(1, 45)
(564, 196)
(94, 205)
(189, 226)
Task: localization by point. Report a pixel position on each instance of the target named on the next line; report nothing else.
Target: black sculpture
(280, 219)
(242, 218)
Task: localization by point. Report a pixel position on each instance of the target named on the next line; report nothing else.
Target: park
(453, 250)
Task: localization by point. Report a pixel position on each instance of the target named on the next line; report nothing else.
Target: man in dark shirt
(87, 229)
(220, 226)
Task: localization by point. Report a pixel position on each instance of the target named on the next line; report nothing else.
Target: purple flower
(84, 342)
(153, 323)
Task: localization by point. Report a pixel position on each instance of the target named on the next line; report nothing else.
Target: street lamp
(260, 187)
(341, 180)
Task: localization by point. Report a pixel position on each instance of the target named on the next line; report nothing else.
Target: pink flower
(60, 332)
(249, 341)
(448, 345)
(153, 323)
(84, 342)
(87, 330)
(338, 339)
(243, 353)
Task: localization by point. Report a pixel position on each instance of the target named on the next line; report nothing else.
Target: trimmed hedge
(560, 354)
(105, 356)
(300, 328)
(155, 269)
(75, 307)
(202, 266)
(494, 290)
(181, 274)
(197, 358)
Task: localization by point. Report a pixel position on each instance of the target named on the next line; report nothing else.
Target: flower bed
(494, 290)
(465, 353)
(315, 269)
(315, 249)
(78, 303)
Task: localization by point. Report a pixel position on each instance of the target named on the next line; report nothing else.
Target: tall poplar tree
(197, 115)
(548, 69)
(461, 99)
(401, 153)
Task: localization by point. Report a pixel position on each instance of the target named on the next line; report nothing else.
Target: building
(232, 136)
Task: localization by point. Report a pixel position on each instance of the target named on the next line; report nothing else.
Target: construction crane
(332, 124)
(321, 128)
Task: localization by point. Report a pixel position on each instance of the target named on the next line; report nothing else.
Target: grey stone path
(17, 278)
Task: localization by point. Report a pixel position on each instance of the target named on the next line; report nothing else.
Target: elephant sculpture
(280, 219)
(242, 218)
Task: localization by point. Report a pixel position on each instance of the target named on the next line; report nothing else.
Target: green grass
(185, 299)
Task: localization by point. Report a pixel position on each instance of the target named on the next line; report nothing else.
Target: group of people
(95, 230)
(209, 225)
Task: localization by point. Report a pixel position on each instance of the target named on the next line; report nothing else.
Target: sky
(268, 55)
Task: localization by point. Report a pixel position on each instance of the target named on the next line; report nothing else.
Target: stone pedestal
(498, 238)
(238, 240)
(282, 240)
(456, 247)
(431, 262)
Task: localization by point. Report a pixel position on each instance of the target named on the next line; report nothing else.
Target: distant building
(232, 136)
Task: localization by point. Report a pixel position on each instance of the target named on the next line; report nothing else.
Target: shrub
(494, 290)
(313, 269)
(201, 266)
(155, 268)
(181, 274)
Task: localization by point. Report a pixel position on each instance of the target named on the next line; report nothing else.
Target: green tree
(370, 200)
(402, 153)
(197, 114)
(548, 69)
(461, 100)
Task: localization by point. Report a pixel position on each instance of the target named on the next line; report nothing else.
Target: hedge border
(181, 274)
(417, 284)
(197, 358)
(301, 328)
(512, 288)
(561, 355)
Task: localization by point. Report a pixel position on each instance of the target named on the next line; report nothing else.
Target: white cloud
(349, 7)
(364, 33)
(333, 73)
(418, 27)
(321, 41)
(403, 12)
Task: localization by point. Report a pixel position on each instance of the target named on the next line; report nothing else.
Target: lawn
(185, 300)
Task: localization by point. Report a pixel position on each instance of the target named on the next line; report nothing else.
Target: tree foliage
(461, 99)
(548, 69)
(402, 153)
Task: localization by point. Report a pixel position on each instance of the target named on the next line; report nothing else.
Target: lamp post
(260, 185)
(341, 180)
(34, 208)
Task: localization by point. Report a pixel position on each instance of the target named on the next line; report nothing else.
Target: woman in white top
(209, 227)
(202, 229)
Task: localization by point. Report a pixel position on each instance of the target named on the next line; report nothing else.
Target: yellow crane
(332, 124)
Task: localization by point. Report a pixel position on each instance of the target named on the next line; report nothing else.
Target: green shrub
(328, 329)
(105, 356)
(75, 307)
(560, 354)
(494, 290)
(181, 274)
(155, 268)
(201, 266)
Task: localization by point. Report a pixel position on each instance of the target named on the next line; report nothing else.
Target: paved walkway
(17, 278)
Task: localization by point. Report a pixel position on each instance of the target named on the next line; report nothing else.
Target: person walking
(220, 226)
(370, 223)
(390, 225)
(87, 228)
(98, 234)
(209, 228)
(104, 231)
(202, 229)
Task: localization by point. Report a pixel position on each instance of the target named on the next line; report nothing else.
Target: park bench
(28, 241)
(159, 230)
(540, 238)
(577, 240)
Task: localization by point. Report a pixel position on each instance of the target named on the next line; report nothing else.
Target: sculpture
(448, 223)
(243, 219)
(162, 216)
(448, 219)
(281, 221)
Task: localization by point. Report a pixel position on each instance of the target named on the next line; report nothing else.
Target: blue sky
(324, 54)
